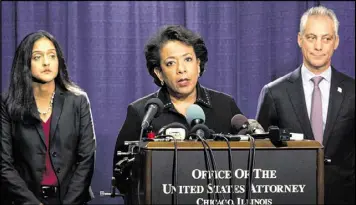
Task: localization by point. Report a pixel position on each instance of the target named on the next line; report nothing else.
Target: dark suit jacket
(72, 151)
(218, 107)
(282, 103)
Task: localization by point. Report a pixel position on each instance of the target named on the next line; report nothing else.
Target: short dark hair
(20, 98)
(173, 33)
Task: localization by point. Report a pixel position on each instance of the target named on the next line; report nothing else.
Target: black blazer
(282, 103)
(218, 107)
(72, 151)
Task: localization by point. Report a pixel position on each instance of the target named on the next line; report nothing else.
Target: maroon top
(49, 176)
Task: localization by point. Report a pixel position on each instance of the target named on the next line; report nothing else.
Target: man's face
(318, 43)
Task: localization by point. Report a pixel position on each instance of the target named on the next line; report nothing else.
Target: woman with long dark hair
(47, 139)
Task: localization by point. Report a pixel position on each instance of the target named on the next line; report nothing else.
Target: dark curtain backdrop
(249, 44)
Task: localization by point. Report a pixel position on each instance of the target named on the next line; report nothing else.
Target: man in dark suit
(318, 101)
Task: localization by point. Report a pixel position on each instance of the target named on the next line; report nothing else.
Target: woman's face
(180, 68)
(44, 60)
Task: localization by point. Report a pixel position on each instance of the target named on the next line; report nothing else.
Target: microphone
(239, 124)
(242, 126)
(195, 115)
(153, 108)
(201, 130)
(196, 119)
(276, 135)
(174, 129)
(254, 127)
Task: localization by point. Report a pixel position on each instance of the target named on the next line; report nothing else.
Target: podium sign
(282, 175)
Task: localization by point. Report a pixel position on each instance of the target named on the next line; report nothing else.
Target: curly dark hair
(173, 33)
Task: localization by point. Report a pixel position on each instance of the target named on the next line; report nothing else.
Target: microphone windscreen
(157, 102)
(254, 125)
(238, 121)
(201, 127)
(194, 111)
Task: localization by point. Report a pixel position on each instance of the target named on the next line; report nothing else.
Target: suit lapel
(56, 112)
(297, 98)
(39, 128)
(38, 124)
(335, 99)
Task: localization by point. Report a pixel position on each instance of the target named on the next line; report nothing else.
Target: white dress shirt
(324, 86)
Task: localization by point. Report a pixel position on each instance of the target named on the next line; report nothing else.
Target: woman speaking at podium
(175, 58)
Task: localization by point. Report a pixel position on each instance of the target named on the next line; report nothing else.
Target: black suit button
(58, 170)
(54, 154)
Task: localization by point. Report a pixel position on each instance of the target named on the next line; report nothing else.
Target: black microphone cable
(207, 160)
(250, 165)
(216, 181)
(175, 169)
(232, 180)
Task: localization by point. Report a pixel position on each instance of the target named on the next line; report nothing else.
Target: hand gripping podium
(292, 174)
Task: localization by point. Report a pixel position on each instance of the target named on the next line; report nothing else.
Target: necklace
(49, 108)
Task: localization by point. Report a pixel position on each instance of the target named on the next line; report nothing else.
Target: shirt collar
(307, 75)
(203, 97)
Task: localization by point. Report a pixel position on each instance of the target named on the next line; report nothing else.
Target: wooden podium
(292, 174)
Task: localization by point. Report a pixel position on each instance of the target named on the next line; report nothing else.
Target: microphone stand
(113, 192)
